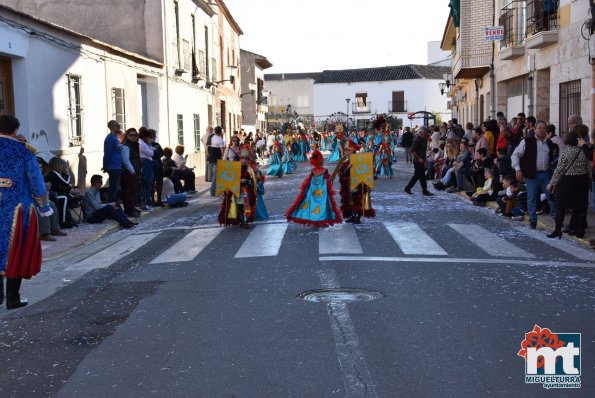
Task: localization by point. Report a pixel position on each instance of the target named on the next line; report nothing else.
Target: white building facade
(361, 94)
(64, 87)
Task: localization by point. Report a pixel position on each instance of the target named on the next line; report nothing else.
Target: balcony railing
(361, 108)
(542, 15)
(397, 106)
(514, 33)
(470, 64)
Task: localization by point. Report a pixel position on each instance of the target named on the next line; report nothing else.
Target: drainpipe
(530, 95)
(492, 74)
(166, 53)
(592, 97)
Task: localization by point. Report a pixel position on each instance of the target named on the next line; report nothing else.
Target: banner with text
(494, 33)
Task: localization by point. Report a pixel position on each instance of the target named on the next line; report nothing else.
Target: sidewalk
(86, 233)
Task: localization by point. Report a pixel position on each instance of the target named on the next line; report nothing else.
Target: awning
(455, 11)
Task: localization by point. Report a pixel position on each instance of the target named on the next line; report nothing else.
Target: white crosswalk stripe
(489, 242)
(113, 253)
(190, 246)
(413, 240)
(264, 241)
(338, 239)
(574, 250)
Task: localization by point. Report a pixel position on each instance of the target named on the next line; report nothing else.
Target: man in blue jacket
(112, 159)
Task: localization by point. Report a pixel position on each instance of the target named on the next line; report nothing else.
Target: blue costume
(287, 161)
(261, 212)
(275, 164)
(315, 204)
(336, 149)
(21, 190)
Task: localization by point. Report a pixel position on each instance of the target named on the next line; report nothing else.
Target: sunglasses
(235, 140)
(132, 135)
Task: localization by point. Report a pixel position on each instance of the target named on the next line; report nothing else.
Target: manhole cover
(339, 295)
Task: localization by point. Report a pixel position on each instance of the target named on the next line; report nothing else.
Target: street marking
(115, 252)
(356, 377)
(489, 242)
(206, 226)
(572, 249)
(190, 246)
(264, 241)
(445, 260)
(413, 240)
(337, 239)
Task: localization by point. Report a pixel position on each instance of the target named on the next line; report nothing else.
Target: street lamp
(442, 88)
(347, 100)
(233, 70)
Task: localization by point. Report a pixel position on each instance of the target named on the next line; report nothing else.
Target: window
(180, 130)
(513, 18)
(570, 103)
(207, 53)
(361, 103)
(196, 131)
(75, 111)
(398, 102)
(177, 14)
(541, 15)
(194, 54)
(119, 107)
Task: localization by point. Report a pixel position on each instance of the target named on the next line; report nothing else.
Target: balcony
(361, 108)
(471, 64)
(512, 46)
(542, 23)
(397, 106)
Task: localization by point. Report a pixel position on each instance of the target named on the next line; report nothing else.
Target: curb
(109, 229)
(540, 224)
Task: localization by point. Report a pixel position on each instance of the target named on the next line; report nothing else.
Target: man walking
(418, 150)
(216, 146)
(112, 159)
(406, 142)
(531, 160)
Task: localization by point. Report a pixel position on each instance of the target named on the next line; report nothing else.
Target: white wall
(299, 93)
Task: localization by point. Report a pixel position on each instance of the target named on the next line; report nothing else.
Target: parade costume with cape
(275, 167)
(20, 193)
(242, 209)
(315, 204)
(358, 202)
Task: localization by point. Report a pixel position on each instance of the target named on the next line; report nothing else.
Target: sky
(314, 35)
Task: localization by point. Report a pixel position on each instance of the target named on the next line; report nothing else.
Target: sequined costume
(21, 190)
(356, 203)
(315, 204)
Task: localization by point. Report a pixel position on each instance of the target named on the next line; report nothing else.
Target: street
(180, 307)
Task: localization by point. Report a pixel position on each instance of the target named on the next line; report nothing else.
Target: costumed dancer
(384, 165)
(357, 203)
(315, 204)
(287, 161)
(301, 147)
(241, 210)
(275, 168)
(261, 212)
(337, 144)
(21, 190)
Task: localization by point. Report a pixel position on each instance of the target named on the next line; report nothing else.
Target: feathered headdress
(379, 122)
(316, 159)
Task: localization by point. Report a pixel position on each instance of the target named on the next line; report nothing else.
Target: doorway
(6, 93)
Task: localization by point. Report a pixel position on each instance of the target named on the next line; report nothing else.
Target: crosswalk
(412, 242)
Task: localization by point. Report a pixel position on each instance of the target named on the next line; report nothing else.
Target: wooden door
(6, 94)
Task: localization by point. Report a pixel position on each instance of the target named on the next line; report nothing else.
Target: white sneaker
(517, 218)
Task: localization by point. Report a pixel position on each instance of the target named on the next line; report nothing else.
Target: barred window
(75, 111)
(119, 106)
(570, 103)
(180, 130)
(196, 131)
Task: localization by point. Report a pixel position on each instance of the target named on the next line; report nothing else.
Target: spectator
(435, 138)
(147, 168)
(130, 172)
(449, 165)
(519, 125)
(529, 130)
(550, 131)
(503, 164)
(486, 192)
(49, 227)
(406, 142)
(112, 158)
(215, 152)
(462, 166)
(469, 132)
(168, 194)
(532, 160)
(571, 179)
(158, 166)
(185, 173)
(418, 150)
(96, 211)
(168, 162)
(62, 192)
(232, 152)
(481, 161)
(508, 204)
(479, 140)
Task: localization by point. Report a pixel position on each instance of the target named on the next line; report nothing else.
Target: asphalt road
(183, 308)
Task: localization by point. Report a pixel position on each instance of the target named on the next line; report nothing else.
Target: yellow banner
(362, 170)
(228, 177)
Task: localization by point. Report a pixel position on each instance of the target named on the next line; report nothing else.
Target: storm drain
(339, 295)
